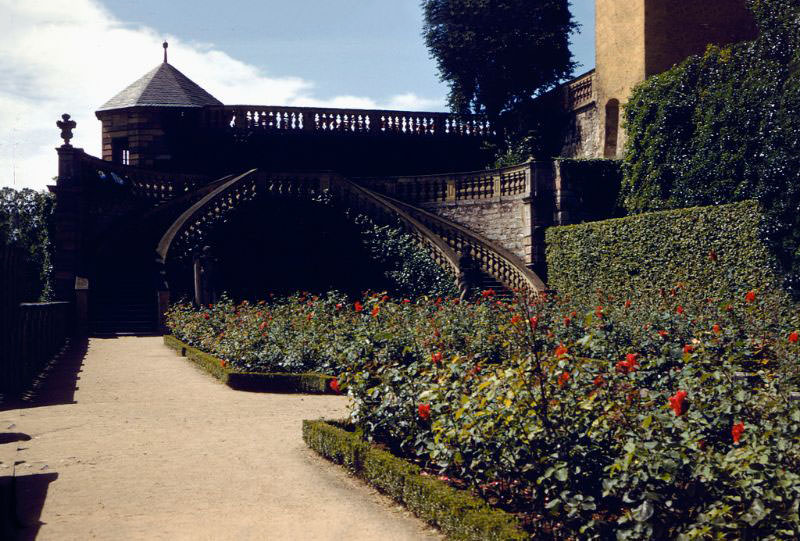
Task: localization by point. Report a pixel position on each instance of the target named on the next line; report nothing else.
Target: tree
(498, 55)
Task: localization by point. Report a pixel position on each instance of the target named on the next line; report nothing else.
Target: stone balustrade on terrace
(278, 119)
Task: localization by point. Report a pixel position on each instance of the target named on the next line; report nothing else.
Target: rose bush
(670, 419)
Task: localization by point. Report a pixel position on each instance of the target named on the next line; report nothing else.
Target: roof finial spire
(165, 51)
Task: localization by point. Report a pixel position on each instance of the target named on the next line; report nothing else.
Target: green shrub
(708, 249)
(724, 127)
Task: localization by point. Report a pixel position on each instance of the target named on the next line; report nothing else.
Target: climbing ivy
(724, 127)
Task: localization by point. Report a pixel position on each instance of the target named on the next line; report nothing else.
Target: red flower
(488, 293)
(629, 364)
(339, 306)
(263, 325)
(627, 304)
(750, 296)
(736, 431)
(223, 364)
(375, 310)
(563, 378)
(385, 298)
(676, 402)
(436, 357)
(793, 337)
(729, 308)
(424, 411)
(358, 306)
(334, 385)
(406, 301)
(716, 328)
(438, 301)
(515, 319)
(534, 323)
(599, 381)
(206, 316)
(679, 310)
(663, 334)
(561, 351)
(567, 321)
(599, 312)
(712, 255)
(688, 348)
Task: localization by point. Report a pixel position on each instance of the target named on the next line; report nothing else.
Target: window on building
(120, 151)
(612, 128)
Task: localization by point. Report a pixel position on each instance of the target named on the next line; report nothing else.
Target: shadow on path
(57, 383)
(31, 492)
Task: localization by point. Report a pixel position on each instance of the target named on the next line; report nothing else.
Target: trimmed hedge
(261, 382)
(457, 513)
(709, 249)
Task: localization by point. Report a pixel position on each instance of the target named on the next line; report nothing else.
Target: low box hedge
(457, 513)
(714, 250)
(263, 382)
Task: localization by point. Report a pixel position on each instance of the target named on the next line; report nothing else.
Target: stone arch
(612, 128)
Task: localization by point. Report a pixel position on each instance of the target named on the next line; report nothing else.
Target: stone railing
(454, 187)
(263, 118)
(579, 92)
(187, 234)
(488, 256)
(37, 334)
(144, 183)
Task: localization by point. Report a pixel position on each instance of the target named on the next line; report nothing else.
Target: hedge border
(259, 382)
(457, 513)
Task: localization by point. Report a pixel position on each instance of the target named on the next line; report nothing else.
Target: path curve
(154, 449)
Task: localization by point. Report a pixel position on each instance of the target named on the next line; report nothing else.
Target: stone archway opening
(612, 128)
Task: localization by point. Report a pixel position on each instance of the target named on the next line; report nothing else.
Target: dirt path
(154, 449)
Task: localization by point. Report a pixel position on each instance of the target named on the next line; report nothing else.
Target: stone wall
(582, 136)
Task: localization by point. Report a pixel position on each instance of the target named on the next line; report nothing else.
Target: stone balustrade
(276, 119)
(580, 92)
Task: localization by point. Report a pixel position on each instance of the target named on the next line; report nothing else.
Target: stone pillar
(203, 269)
(81, 306)
(541, 201)
(162, 296)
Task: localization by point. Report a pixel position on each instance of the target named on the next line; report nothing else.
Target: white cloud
(71, 57)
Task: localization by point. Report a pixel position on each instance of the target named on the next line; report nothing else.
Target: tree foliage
(497, 55)
(725, 127)
(26, 222)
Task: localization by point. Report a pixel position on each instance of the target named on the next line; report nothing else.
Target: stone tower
(153, 122)
(639, 38)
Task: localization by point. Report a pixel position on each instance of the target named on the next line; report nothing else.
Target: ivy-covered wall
(714, 252)
(725, 127)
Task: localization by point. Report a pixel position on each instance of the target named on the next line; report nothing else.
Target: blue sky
(59, 56)
(349, 47)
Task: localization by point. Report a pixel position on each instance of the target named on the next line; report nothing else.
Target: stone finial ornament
(165, 45)
(66, 126)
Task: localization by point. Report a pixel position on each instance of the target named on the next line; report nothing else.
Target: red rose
(676, 402)
(488, 293)
(310, 316)
(793, 337)
(736, 431)
(534, 323)
(750, 296)
(424, 411)
(436, 357)
(567, 321)
(599, 381)
(688, 348)
(627, 304)
(375, 310)
(663, 333)
(716, 328)
(263, 325)
(679, 310)
(334, 385)
(712, 255)
(563, 378)
(339, 306)
(406, 301)
(206, 316)
(561, 351)
(385, 298)
(358, 306)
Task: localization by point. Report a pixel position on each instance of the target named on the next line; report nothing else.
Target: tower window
(120, 151)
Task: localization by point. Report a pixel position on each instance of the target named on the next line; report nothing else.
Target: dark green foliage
(496, 55)
(409, 267)
(597, 183)
(252, 381)
(457, 513)
(26, 221)
(637, 256)
(725, 127)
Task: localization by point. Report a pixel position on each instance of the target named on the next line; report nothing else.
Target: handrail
(147, 183)
(492, 258)
(452, 187)
(193, 213)
(354, 121)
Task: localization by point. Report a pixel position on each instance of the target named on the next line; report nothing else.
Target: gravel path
(152, 448)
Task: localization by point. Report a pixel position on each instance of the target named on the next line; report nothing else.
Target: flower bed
(253, 381)
(662, 419)
(457, 513)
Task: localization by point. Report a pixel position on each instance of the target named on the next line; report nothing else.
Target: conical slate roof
(164, 86)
